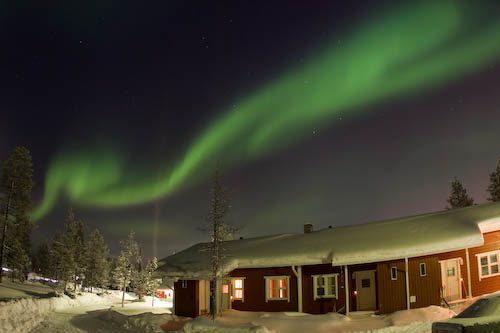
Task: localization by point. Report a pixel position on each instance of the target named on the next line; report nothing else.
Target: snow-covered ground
(34, 307)
(418, 320)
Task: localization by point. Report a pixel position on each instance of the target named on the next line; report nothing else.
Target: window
(184, 283)
(488, 264)
(237, 289)
(277, 288)
(225, 289)
(423, 269)
(394, 273)
(325, 286)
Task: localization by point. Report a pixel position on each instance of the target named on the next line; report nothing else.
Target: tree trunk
(6, 215)
(123, 292)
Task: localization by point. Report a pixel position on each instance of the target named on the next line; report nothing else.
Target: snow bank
(430, 313)
(203, 324)
(22, 315)
(10, 290)
(148, 322)
(412, 321)
(138, 307)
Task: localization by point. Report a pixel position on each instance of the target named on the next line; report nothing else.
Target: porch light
(461, 279)
(355, 293)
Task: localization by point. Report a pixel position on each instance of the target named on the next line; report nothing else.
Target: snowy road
(87, 318)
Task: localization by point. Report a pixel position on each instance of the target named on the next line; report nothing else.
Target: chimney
(308, 227)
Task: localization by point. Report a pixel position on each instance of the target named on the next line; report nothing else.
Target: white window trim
(325, 276)
(268, 278)
(425, 268)
(487, 254)
(233, 297)
(396, 270)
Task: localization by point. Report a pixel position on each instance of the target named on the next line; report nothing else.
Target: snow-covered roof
(365, 243)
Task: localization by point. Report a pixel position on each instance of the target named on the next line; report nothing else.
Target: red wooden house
(384, 266)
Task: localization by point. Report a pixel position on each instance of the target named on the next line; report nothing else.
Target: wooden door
(450, 279)
(365, 286)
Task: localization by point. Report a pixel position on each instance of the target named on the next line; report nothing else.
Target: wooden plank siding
(426, 289)
(186, 299)
(486, 285)
(392, 293)
(254, 289)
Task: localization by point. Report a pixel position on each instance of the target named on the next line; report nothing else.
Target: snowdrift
(417, 320)
(22, 315)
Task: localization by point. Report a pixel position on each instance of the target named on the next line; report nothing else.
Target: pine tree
(494, 187)
(72, 250)
(151, 284)
(129, 264)
(458, 197)
(57, 264)
(16, 184)
(43, 259)
(97, 264)
(122, 273)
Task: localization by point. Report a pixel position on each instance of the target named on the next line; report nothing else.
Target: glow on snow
(403, 51)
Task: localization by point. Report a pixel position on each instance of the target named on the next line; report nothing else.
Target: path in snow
(86, 318)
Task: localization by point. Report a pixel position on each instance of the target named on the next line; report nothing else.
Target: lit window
(423, 269)
(277, 288)
(325, 286)
(237, 289)
(394, 273)
(184, 283)
(488, 264)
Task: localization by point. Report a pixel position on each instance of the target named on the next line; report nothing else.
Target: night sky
(332, 113)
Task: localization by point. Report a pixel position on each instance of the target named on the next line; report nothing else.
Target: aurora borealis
(378, 57)
(395, 53)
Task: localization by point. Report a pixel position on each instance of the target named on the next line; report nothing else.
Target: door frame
(459, 261)
(374, 271)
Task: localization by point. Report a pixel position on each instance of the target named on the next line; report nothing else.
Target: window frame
(394, 277)
(277, 278)
(424, 265)
(184, 284)
(489, 264)
(325, 276)
(233, 289)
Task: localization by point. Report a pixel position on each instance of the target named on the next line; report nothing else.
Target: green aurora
(406, 50)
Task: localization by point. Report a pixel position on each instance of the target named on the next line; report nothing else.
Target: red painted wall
(322, 305)
(254, 289)
(486, 285)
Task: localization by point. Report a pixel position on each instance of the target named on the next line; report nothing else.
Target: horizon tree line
(67, 258)
(458, 195)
